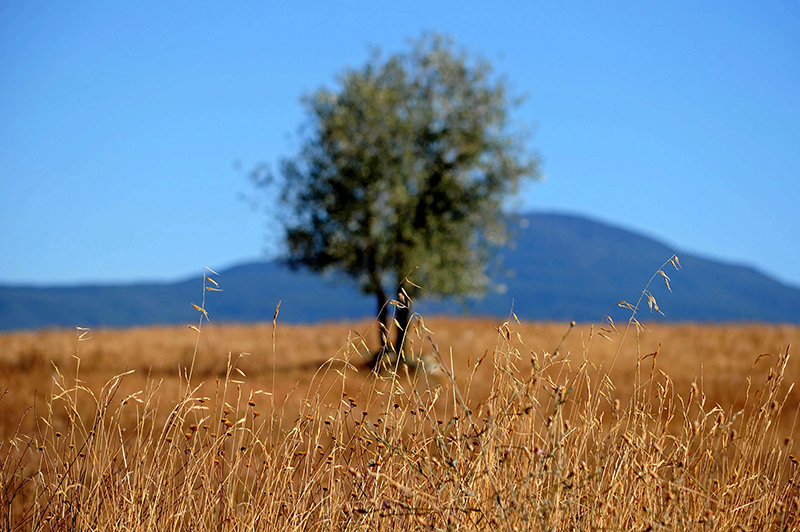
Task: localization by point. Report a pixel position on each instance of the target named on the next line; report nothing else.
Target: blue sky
(120, 122)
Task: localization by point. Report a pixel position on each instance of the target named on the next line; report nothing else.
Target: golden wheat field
(512, 426)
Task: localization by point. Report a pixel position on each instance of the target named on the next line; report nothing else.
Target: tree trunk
(383, 327)
(403, 318)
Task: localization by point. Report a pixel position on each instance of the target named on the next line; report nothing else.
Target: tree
(404, 168)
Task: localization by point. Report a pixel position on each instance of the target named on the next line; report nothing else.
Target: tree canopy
(404, 169)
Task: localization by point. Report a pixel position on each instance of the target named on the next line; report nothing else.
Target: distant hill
(560, 267)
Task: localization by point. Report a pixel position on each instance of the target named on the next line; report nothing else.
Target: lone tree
(403, 171)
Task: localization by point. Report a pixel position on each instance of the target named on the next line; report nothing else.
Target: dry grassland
(720, 358)
(519, 426)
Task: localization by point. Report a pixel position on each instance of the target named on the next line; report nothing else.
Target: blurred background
(127, 130)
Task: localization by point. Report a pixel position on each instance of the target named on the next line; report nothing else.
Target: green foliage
(405, 167)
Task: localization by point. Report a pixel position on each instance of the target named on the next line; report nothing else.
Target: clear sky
(121, 122)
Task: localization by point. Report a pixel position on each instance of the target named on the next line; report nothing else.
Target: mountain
(559, 267)
(569, 267)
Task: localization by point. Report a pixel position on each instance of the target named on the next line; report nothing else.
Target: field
(513, 426)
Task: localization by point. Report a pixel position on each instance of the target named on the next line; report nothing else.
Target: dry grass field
(720, 358)
(514, 426)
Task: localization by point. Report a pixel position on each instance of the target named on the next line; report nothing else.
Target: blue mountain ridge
(559, 268)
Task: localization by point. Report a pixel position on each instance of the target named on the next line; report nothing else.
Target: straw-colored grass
(519, 426)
